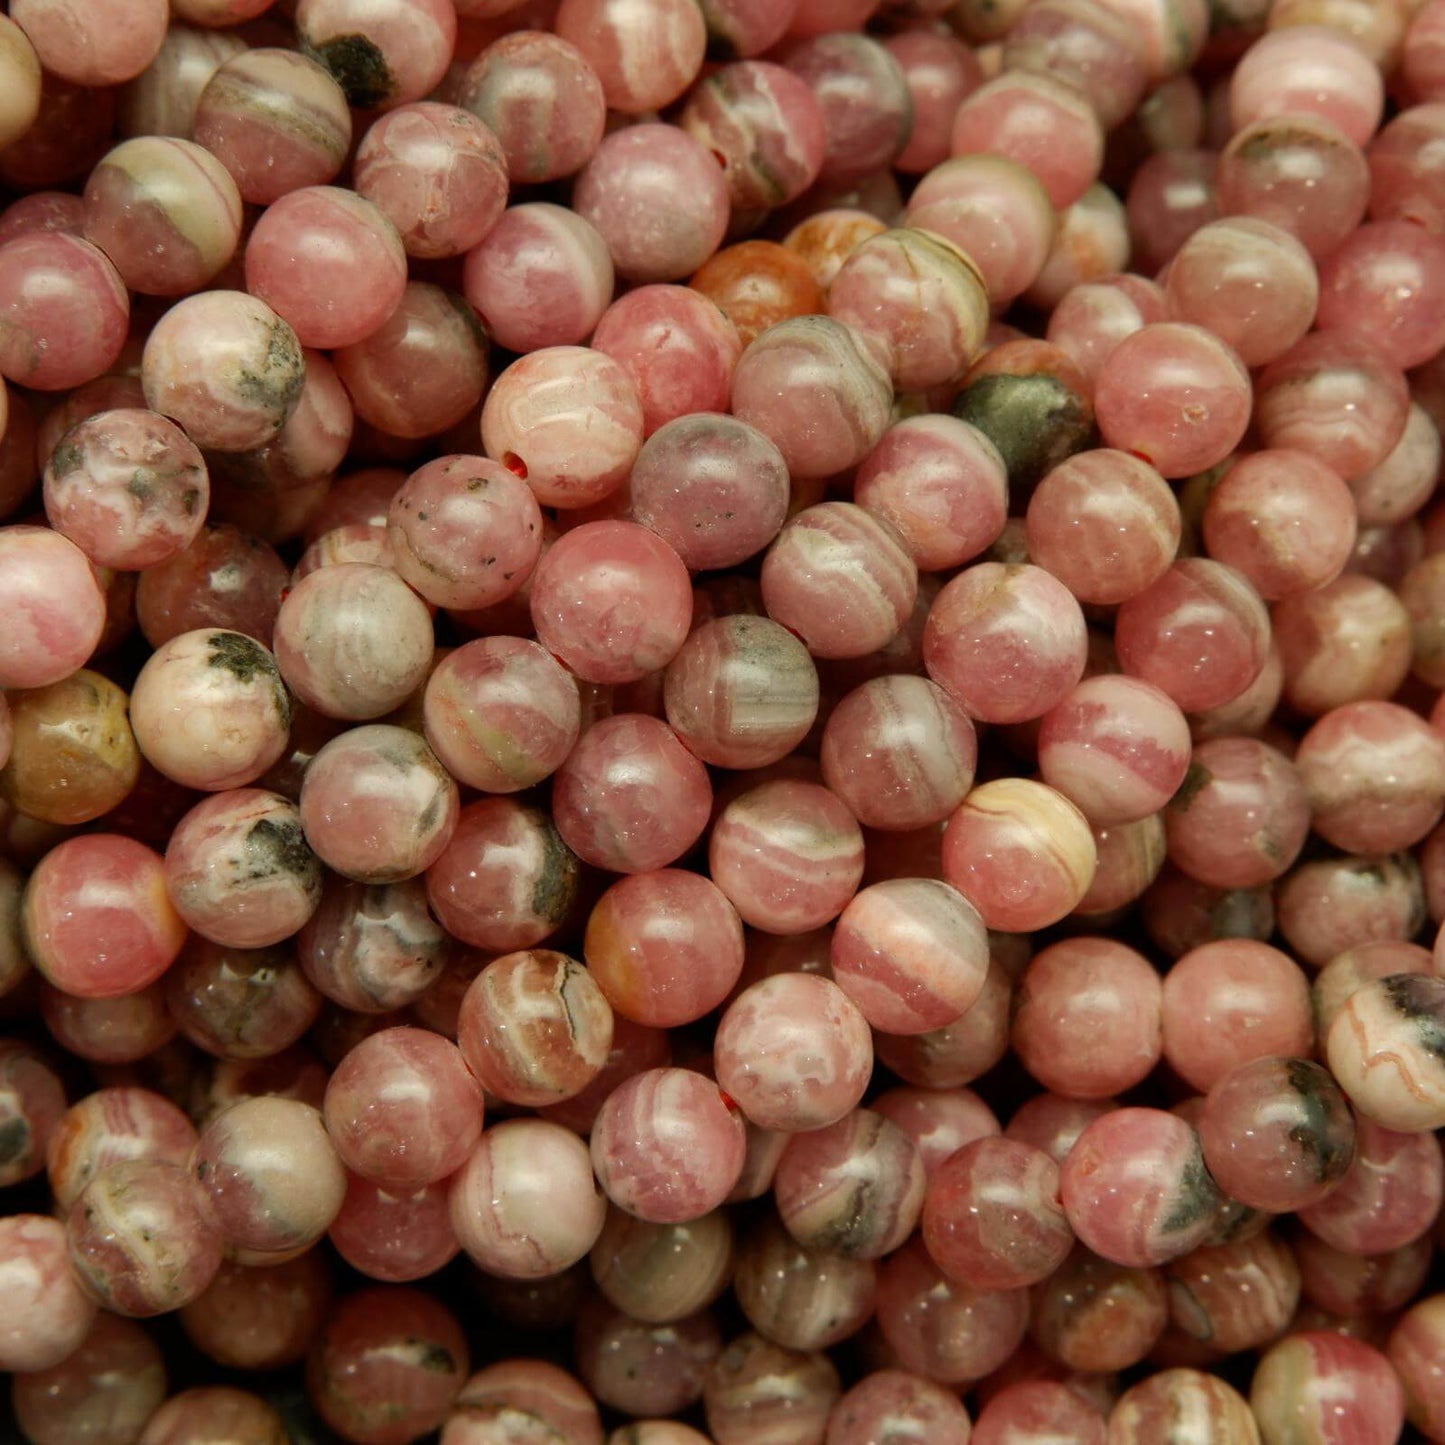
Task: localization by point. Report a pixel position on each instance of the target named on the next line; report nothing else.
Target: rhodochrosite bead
(534, 1027)
(48, 1315)
(1020, 852)
(794, 1052)
(1386, 1048)
(1152, 1409)
(889, 1401)
(668, 1145)
(912, 953)
(97, 917)
(54, 605)
(1318, 1381)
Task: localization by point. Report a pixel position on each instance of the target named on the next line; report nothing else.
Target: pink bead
(815, 388)
(1135, 1188)
(53, 604)
(840, 578)
(97, 917)
(437, 174)
(525, 1205)
(921, 297)
(1086, 1021)
(1153, 1405)
(93, 45)
(211, 1413)
(1040, 122)
(900, 752)
(1414, 1351)
(1308, 70)
(530, 1389)
(911, 953)
(403, 1110)
(645, 55)
(1327, 1384)
(328, 262)
(863, 92)
(940, 72)
(226, 367)
(535, 1028)
(630, 191)
(64, 308)
(48, 1315)
(381, 54)
(1036, 1411)
(506, 879)
(748, 27)
(434, 522)
(109, 1126)
(1200, 634)
(788, 854)
(568, 421)
(1116, 747)
(1174, 394)
(1406, 180)
(394, 1237)
(541, 98)
(668, 1145)
(1024, 622)
(793, 1052)
(542, 276)
(276, 120)
(1092, 318)
(889, 1400)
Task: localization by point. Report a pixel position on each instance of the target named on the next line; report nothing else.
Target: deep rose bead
(1135, 1188)
(387, 1366)
(525, 1205)
(950, 1332)
(97, 918)
(794, 1052)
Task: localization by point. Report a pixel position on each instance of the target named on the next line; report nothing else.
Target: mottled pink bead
(535, 1028)
(759, 1393)
(92, 45)
(631, 192)
(542, 276)
(47, 1314)
(506, 880)
(1086, 1020)
(1308, 70)
(1414, 1352)
(64, 310)
(893, 1402)
(840, 578)
(864, 96)
(215, 1415)
(1384, 1048)
(677, 346)
(568, 421)
(395, 1237)
(630, 797)
(98, 921)
(1135, 1189)
(239, 871)
(1038, 1412)
(53, 605)
(665, 947)
(949, 1332)
(939, 1121)
(911, 953)
(528, 1392)
(108, 1127)
(1154, 1409)
(1042, 123)
(788, 854)
(645, 54)
(381, 54)
(1327, 1386)
(226, 367)
(922, 298)
(541, 98)
(525, 1205)
(794, 1052)
(1116, 747)
(1007, 642)
(814, 387)
(353, 641)
(501, 713)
